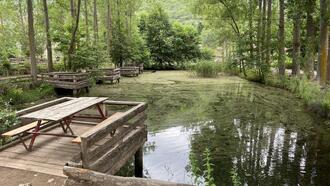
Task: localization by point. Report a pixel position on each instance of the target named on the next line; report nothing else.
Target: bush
(206, 69)
(16, 96)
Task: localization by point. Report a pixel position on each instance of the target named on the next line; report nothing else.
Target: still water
(247, 133)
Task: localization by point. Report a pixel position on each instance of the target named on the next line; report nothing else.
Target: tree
(269, 34)
(86, 22)
(49, 42)
(109, 26)
(310, 38)
(295, 12)
(157, 32)
(323, 45)
(95, 23)
(73, 37)
(281, 40)
(32, 44)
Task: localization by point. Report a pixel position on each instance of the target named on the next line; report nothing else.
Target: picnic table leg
(67, 123)
(62, 125)
(103, 114)
(37, 128)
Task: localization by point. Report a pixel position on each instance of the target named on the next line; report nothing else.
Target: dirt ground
(15, 177)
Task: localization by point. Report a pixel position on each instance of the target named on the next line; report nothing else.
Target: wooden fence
(130, 71)
(107, 74)
(66, 80)
(109, 145)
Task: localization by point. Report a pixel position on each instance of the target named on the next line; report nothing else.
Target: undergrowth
(206, 69)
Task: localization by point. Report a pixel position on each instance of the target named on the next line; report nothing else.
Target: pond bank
(254, 134)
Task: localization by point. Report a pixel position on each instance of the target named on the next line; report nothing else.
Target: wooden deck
(49, 154)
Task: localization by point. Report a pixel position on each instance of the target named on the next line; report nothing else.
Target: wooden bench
(22, 129)
(115, 116)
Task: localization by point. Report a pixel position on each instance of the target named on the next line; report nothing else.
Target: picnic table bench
(62, 113)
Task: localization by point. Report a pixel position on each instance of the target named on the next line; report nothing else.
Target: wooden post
(138, 164)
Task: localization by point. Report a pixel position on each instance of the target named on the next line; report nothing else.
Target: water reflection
(256, 135)
(252, 141)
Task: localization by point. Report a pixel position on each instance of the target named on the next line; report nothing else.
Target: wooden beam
(83, 177)
(118, 156)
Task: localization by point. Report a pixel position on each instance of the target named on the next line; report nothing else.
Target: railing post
(138, 162)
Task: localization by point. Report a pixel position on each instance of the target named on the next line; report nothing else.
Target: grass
(206, 69)
(18, 95)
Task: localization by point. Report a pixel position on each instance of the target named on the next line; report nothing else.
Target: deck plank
(49, 154)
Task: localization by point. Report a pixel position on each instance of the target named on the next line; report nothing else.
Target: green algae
(263, 133)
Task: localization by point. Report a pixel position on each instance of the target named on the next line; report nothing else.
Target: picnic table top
(66, 109)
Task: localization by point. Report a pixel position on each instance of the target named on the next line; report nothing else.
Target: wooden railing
(66, 80)
(130, 71)
(107, 74)
(109, 145)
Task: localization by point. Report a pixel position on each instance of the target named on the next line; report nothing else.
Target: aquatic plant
(235, 177)
(206, 69)
(209, 179)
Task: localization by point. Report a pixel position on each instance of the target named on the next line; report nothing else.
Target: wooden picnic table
(62, 113)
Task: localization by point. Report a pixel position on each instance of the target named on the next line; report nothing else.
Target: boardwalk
(49, 155)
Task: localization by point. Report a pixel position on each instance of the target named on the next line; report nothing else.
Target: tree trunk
(281, 41)
(73, 37)
(49, 42)
(251, 7)
(296, 54)
(269, 33)
(263, 32)
(328, 61)
(24, 40)
(86, 23)
(310, 39)
(323, 47)
(32, 41)
(259, 41)
(96, 29)
(109, 26)
(72, 9)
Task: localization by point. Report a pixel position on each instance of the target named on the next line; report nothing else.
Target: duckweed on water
(264, 134)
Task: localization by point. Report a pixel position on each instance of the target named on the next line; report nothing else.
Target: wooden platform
(49, 154)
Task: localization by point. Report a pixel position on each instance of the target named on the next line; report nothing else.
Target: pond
(226, 130)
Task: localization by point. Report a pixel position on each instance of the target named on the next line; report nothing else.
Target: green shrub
(206, 69)
(14, 96)
(7, 118)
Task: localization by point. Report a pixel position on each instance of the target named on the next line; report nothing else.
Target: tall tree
(73, 37)
(86, 21)
(323, 45)
(269, 33)
(310, 38)
(109, 26)
(95, 26)
(296, 53)
(32, 44)
(281, 40)
(263, 30)
(49, 42)
(72, 9)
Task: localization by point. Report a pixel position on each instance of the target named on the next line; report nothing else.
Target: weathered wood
(22, 129)
(107, 74)
(128, 103)
(42, 106)
(100, 131)
(129, 71)
(84, 177)
(63, 110)
(117, 157)
(105, 144)
(66, 80)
